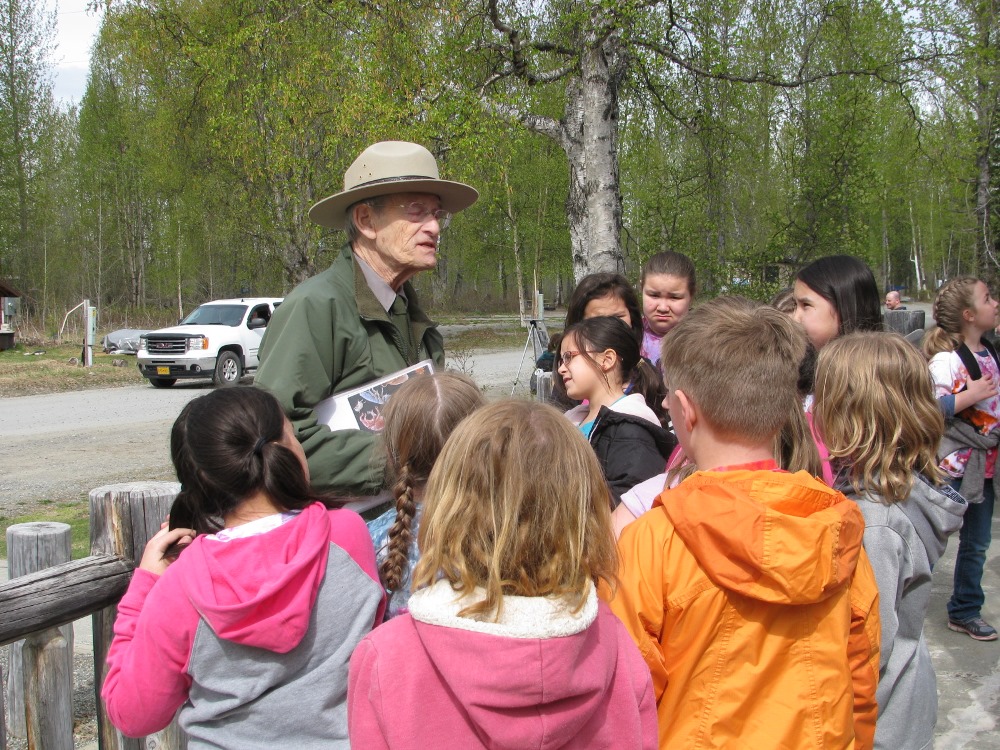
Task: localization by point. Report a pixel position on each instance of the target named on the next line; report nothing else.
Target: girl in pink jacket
(248, 633)
(506, 644)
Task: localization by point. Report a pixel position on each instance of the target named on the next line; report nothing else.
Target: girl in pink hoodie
(249, 630)
(506, 644)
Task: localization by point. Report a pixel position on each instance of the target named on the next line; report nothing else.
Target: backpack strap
(970, 361)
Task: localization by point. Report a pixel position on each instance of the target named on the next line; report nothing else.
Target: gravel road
(58, 447)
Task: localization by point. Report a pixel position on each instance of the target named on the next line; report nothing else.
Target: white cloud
(76, 30)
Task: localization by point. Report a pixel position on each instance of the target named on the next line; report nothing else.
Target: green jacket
(330, 335)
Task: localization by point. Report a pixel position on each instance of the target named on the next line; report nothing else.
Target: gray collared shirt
(384, 293)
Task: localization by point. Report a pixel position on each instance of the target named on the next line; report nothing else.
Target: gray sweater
(903, 541)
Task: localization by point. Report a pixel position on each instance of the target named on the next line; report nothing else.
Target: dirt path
(58, 447)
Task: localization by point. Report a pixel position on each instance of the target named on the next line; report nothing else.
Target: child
(597, 358)
(600, 294)
(836, 295)
(249, 632)
(668, 286)
(506, 643)
(418, 419)
(794, 450)
(746, 588)
(607, 294)
(875, 408)
(966, 372)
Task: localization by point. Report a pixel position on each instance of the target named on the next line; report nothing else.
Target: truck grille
(166, 346)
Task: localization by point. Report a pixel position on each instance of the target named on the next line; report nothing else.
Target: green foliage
(208, 129)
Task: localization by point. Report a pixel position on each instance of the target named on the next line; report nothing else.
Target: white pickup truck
(218, 340)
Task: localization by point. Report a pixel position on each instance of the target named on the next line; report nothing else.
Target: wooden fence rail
(122, 519)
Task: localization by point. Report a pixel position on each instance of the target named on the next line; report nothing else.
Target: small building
(10, 302)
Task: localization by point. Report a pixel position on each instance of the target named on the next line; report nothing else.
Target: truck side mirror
(256, 323)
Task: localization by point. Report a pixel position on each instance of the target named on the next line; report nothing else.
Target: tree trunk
(588, 134)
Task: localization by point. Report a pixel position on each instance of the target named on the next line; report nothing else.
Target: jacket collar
(521, 617)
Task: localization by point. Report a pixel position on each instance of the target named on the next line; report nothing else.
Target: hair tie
(258, 447)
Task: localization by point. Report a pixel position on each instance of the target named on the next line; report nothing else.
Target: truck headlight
(198, 342)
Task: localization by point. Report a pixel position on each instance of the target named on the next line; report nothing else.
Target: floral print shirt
(950, 376)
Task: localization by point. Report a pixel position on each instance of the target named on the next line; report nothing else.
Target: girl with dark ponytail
(418, 420)
(600, 364)
(271, 591)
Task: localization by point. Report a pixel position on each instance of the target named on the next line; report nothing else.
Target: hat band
(402, 178)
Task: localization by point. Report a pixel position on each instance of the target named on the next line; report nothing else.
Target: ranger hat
(391, 167)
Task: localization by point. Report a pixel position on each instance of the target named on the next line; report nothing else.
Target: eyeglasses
(567, 357)
(418, 213)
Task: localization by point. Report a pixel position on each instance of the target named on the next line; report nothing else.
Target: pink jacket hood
(516, 692)
(260, 591)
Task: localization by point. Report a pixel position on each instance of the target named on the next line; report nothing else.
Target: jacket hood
(534, 679)
(935, 512)
(260, 590)
(775, 537)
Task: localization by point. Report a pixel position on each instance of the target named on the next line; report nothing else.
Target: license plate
(162, 370)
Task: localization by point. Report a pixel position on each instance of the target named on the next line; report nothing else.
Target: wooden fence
(123, 517)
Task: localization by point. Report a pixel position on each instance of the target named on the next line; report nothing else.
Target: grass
(24, 373)
(76, 514)
(485, 338)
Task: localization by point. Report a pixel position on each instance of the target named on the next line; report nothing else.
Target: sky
(76, 30)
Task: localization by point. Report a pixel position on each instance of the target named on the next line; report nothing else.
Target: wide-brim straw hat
(391, 167)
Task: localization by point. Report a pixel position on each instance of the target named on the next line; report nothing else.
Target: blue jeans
(973, 540)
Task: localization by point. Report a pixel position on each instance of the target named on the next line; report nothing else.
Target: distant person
(360, 320)
(876, 409)
(966, 371)
(893, 301)
(249, 631)
(668, 286)
(600, 365)
(746, 587)
(506, 643)
(418, 420)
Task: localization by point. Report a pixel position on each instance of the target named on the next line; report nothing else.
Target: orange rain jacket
(753, 603)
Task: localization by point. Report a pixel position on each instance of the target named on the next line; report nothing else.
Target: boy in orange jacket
(746, 588)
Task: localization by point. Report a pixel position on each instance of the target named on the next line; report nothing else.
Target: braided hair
(418, 420)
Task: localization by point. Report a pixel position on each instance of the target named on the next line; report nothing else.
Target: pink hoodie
(541, 678)
(229, 633)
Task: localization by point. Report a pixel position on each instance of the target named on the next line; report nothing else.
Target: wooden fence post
(123, 517)
(44, 661)
(904, 321)
(3, 721)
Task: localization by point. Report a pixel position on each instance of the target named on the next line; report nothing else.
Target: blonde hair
(418, 420)
(794, 447)
(516, 505)
(738, 361)
(952, 300)
(876, 410)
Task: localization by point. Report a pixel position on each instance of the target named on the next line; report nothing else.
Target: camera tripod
(538, 340)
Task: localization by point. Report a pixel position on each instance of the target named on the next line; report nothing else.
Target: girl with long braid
(418, 420)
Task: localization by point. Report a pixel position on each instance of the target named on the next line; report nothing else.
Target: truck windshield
(216, 315)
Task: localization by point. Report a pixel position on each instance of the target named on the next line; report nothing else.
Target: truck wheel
(228, 370)
(162, 382)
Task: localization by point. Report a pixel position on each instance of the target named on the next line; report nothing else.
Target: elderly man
(893, 301)
(359, 320)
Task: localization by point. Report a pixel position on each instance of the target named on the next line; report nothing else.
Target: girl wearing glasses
(599, 361)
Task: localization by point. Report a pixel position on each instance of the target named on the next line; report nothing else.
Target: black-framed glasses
(418, 213)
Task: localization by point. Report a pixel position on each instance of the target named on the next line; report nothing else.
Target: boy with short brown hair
(746, 588)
